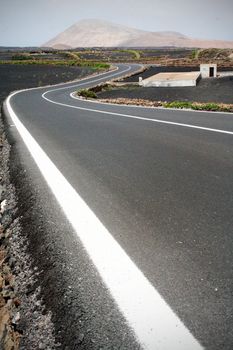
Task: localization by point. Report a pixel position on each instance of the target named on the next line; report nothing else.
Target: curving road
(139, 238)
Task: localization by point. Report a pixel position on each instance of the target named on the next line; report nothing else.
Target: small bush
(214, 107)
(194, 54)
(87, 93)
(94, 65)
(22, 57)
(206, 107)
(178, 104)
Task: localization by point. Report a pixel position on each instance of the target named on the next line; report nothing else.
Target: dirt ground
(218, 90)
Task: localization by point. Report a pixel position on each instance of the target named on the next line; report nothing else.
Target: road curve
(148, 193)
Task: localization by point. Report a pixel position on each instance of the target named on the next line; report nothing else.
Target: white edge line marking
(154, 323)
(137, 117)
(72, 95)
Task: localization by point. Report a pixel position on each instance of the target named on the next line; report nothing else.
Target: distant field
(170, 53)
(114, 55)
(5, 56)
(163, 56)
(14, 55)
(134, 54)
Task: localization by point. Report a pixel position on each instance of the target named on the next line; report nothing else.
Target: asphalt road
(161, 182)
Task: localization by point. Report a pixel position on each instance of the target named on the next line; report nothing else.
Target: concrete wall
(171, 83)
(225, 74)
(171, 80)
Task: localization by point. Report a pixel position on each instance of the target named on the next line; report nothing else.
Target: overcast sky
(33, 22)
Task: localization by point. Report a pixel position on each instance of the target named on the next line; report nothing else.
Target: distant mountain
(97, 33)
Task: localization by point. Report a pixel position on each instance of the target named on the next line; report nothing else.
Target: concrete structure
(208, 70)
(171, 80)
(225, 74)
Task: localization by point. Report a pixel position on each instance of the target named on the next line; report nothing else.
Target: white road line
(154, 323)
(136, 117)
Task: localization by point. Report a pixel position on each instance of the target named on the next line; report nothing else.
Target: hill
(97, 33)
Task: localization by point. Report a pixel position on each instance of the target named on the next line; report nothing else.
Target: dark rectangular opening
(211, 71)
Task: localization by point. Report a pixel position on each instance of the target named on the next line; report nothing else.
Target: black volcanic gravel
(219, 90)
(159, 69)
(170, 53)
(15, 77)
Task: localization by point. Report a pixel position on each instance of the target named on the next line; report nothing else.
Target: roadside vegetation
(197, 106)
(54, 58)
(194, 54)
(162, 56)
(213, 107)
(86, 93)
(210, 107)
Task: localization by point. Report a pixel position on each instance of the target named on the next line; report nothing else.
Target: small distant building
(180, 79)
(208, 70)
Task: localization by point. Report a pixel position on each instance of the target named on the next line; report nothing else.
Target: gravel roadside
(24, 321)
(24, 324)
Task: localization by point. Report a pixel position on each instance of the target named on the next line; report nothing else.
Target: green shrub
(87, 93)
(194, 54)
(177, 104)
(214, 107)
(93, 65)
